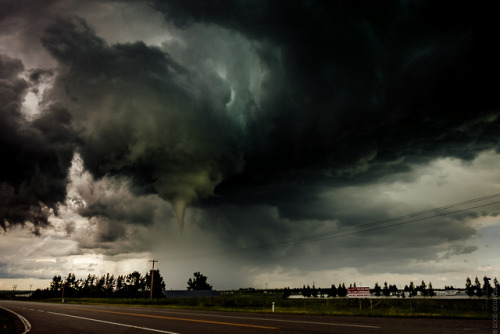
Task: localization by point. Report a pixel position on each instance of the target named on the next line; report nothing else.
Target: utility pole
(152, 278)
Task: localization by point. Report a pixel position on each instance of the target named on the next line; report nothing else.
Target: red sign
(358, 292)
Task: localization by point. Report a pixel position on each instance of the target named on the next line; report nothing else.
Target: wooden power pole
(152, 278)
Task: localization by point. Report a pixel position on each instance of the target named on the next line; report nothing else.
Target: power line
(435, 213)
(350, 230)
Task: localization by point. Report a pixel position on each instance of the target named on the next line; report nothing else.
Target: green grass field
(428, 307)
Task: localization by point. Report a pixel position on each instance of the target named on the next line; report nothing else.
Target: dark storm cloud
(358, 90)
(35, 156)
(346, 93)
(139, 114)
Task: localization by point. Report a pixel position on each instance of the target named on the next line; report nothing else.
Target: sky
(262, 143)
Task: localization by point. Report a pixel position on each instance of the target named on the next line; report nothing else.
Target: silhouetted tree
(431, 290)
(99, 287)
(423, 289)
(333, 291)
(120, 286)
(496, 287)
(385, 290)
(109, 285)
(56, 284)
(286, 293)
(487, 289)
(411, 289)
(342, 290)
(199, 282)
(70, 286)
(135, 285)
(314, 291)
(477, 288)
(469, 289)
(377, 289)
(306, 291)
(158, 284)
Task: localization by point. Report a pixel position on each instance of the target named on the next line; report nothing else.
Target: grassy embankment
(420, 307)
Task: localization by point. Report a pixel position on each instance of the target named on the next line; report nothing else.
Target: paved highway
(70, 318)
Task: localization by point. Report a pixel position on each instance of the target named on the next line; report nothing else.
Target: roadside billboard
(358, 292)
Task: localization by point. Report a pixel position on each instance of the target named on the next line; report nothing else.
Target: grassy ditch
(429, 307)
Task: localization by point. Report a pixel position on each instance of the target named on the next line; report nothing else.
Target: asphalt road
(71, 318)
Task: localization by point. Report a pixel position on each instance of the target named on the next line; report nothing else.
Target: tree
(120, 286)
(99, 286)
(135, 285)
(109, 285)
(430, 290)
(469, 289)
(56, 284)
(199, 282)
(333, 291)
(477, 288)
(286, 293)
(342, 290)
(423, 289)
(487, 289)
(385, 290)
(158, 284)
(377, 289)
(314, 291)
(70, 285)
(306, 291)
(497, 287)
(412, 291)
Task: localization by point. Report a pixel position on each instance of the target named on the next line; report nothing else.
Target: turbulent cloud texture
(137, 113)
(35, 155)
(276, 122)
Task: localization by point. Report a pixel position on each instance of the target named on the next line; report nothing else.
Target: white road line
(26, 323)
(113, 323)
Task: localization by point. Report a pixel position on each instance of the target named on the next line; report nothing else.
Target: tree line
(136, 285)
(479, 290)
(341, 290)
(410, 290)
(133, 285)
